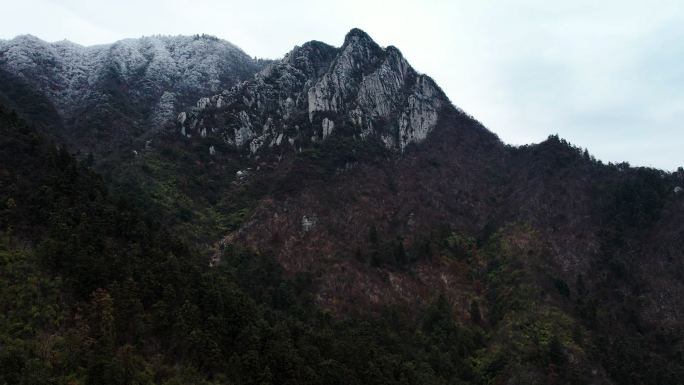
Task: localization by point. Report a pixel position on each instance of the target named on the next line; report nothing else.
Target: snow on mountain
(147, 80)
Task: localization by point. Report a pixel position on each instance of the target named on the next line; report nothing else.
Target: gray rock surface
(317, 91)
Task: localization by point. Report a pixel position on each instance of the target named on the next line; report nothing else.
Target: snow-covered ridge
(159, 73)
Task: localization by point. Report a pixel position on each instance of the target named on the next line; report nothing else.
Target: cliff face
(359, 90)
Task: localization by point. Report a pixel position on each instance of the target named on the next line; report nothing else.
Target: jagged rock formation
(348, 166)
(315, 91)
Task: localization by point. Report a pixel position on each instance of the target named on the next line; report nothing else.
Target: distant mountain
(338, 218)
(120, 91)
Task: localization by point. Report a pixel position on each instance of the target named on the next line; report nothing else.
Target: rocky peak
(359, 89)
(359, 48)
(355, 35)
(312, 58)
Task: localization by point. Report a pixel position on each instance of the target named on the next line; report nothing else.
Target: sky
(606, 75)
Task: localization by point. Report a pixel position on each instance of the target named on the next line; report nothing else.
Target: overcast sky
(607, 75)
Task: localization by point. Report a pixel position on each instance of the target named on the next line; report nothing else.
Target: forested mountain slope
(333, 218)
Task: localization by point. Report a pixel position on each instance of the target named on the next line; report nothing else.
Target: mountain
(317, 90)
(120, 91)
(328, 217)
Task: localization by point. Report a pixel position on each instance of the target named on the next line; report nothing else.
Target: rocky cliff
(359, 90)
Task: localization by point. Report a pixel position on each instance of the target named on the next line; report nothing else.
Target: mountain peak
(28, 37)
(356, 33)
(358, 37)
(359, 90)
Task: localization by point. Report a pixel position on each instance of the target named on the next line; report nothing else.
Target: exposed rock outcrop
(316, 91)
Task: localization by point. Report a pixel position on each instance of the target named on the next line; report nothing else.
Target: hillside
(329, 217)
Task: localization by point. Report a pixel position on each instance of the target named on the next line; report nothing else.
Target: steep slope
(369, 170)
(93, 291)
(377, 196)
(352, 130)
(118, 92)
(359, 90)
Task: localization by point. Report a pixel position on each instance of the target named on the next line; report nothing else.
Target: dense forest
(173, 211)
(94, 289)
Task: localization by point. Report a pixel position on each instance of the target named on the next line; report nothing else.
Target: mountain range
(193, 214)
